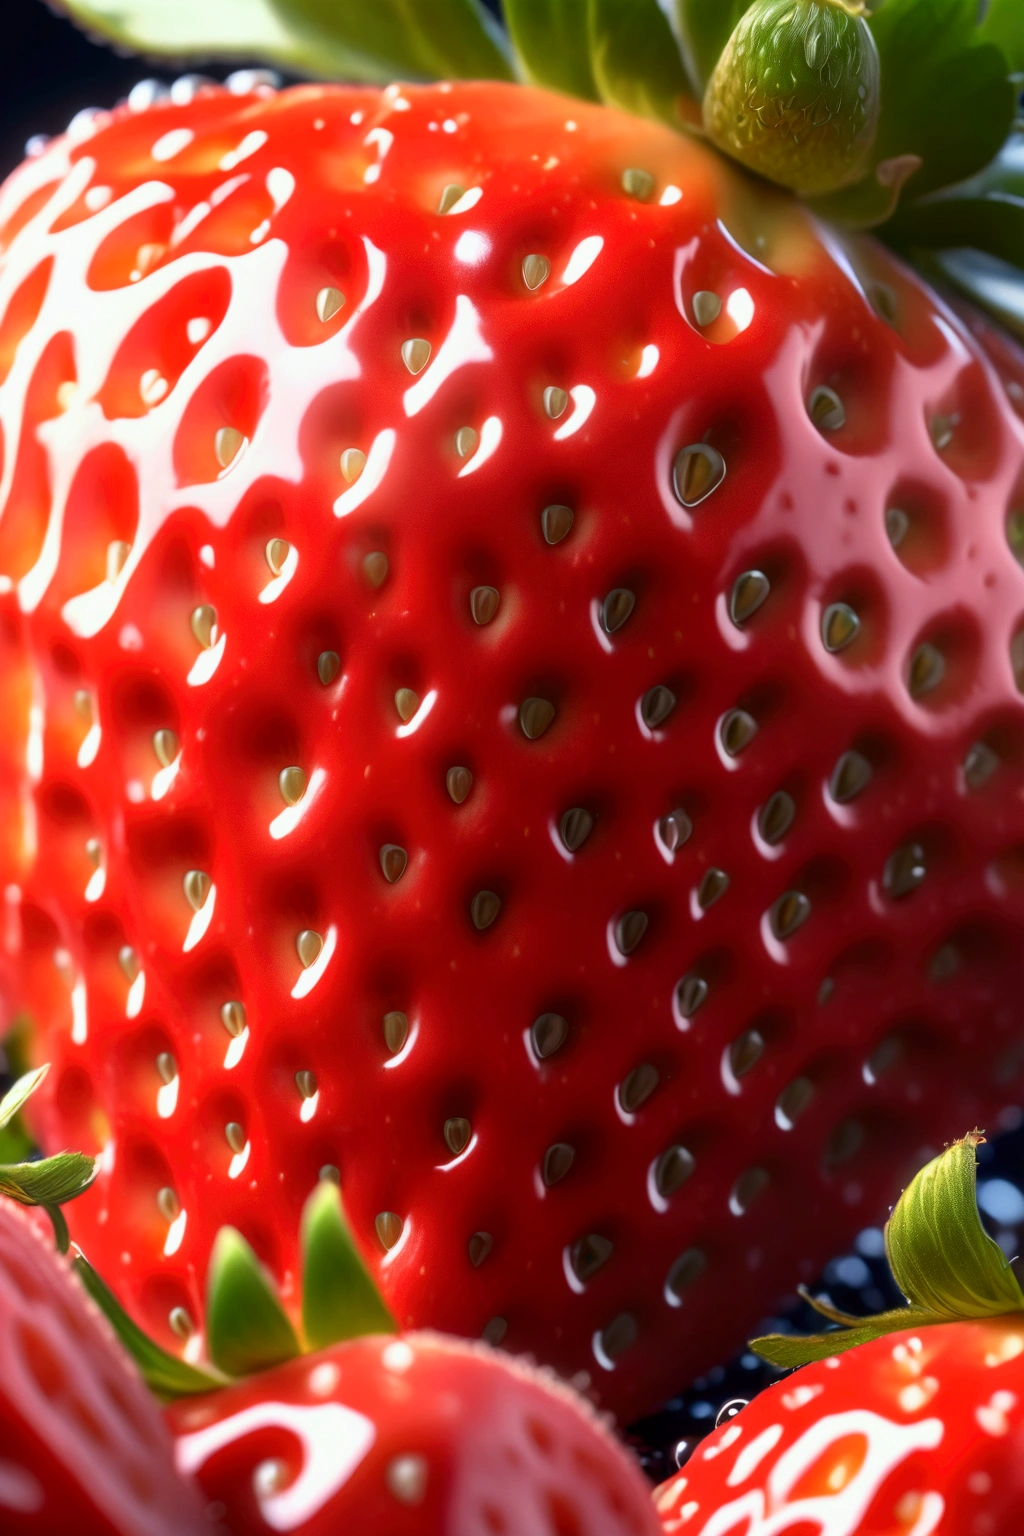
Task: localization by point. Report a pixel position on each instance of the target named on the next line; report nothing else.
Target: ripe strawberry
(528, 712)
(918, 1432)
(82, 1445)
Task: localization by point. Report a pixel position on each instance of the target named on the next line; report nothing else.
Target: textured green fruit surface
(525, 711)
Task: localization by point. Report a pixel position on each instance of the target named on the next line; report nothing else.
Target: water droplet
(327, 664)
(483, 909)
(328, 302)
(656, 706)
(203, 622)
(905, 869)
(548, 1034)
(536, 270)
(232, 1016)
(736, 731)
(459, 782)
(707, 307)
(558, 1159)
(450, 196)
(277, 553)
(393, 861)
(697, 471)
(691, 993)
(729, 1410)
(575, 827)
(535, 715)
(396, 1030)
(749, 591)
(166, 746)
(589, 1254)
(745, 1052)
(483, 604)
(555, 401)
(637, 1086)
(616, 609)
(389, 1228)
(788, 914)
(416, 354)
(775, 817)
(826, 409)
(629, 930)
(292, 784)
(840, 627)
(478, 1247)
(407, 703)
(228, 445)
(682, 1452)
(406, 1476)
(352, 462)
(851, 775)
(638, 184)
(713, 886)
(555, 522)
(196, 885)
(308, 944)
(234, 1136)
(457, 1132)
(672, 1170)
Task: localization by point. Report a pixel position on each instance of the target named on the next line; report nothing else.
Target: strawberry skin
(82, 1444)
(767, 973)
(417, 1436)
(917, 1433)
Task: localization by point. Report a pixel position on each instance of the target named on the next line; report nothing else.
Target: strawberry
(82, 1445)
(527, 698)
(918, 1429)
(371, 1431)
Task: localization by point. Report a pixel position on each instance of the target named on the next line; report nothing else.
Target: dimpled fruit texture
(913, 1433)
(418, 1436)
(82, 1444)
(527, 711)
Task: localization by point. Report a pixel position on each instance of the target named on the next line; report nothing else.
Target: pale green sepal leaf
(16, 1097)
(1004, 25)
(992, 284)
(871, 201)
(201, 30)
(824, 1308)
(165, 1374)
(339, 1299)
(412, 39)
(636, 60)
(942, 1258)
(931, 52)
(552, 42)
(793, 1349)
(246, 1326)
(987, 209)
(51, 1181)
(703, 28)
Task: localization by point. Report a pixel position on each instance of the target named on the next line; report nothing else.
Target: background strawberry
(82, 1445)
(604, 941)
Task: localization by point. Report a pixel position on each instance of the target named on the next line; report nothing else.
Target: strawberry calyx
(49, 1182)
(941, 1257)
(247, 1327)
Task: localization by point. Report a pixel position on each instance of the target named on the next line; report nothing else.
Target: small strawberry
(527, 663)
(418, 1434)
(911, 1423)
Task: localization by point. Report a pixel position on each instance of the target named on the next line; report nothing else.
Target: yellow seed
(555, 401)
(479, 1246)
(167, 1203)
(128, 960)
(167, 1067)
(328, 302)
(389, 1228)
(449, 197)
(94, 851)
(535, 715)
(375, 567)
(308, 943)
(197, 888)
(407, 703)
(465, 441)
(181, 1323)
(457, 1132)
(83, 704)
(484, 908)
(305, 1082)
(292, 784)
(393, 861)
(458, 782)
(706, 307)
(698, 470)
(232, 1016)
(483, 604)
(416, 354)
(396, 1030)
(637, 184)
(117, 553)
(327, 664)
(536, 271)
(353, 462)
(166, 746)
(203, 621)
(277, 553)
(234, 1136)
(555, 523)
(228, 445)
(826, 409)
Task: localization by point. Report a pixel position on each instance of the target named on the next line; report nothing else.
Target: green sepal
(941, 1257)
(987, 209)
(18, 1096)
(246, 1326)
(51, 1181)
(992, 284)
(873, 200)
(1004, 25)
(703, 28)
(793, 1349)
(339, 1298)
(552, 41)
(163, 1373)
(635, 59)
(379, 40)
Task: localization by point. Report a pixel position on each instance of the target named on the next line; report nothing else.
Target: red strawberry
(82, 1445)
(528, 709)
(917, 1432)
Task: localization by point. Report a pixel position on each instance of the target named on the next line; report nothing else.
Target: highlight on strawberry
(910, 1422)
(513, 649)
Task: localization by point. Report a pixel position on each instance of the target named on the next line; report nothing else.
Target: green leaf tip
(18, 1096)
(940, 1255)
(339, 1298)
(163, 1373)
(247, 1328)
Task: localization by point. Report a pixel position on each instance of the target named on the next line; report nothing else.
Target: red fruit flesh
(914, 1434)
(418, 1436)
(82, 1445)
(801, 1074)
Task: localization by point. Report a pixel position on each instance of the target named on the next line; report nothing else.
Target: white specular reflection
(201, 920)
(584, 399)
(582, 259)
(463, 344)
(273, 589)
(490, 437)
(377, 461)
(206, 663)
(309, 977)
(287, 820)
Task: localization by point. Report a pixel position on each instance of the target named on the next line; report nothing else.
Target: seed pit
(840, 626)
(536, 270)
(775, 817)
(745, 1052)
(416, 354)
(736, 730)
(484, 909)
(375, 568)
(166, 746)
(457, 1132)
(672, 1169)
(826, 409)
(555, 522)
(575, 827)
(687, 1269)
(535, 715)
(905, 870)
(196, 885)
(697, 471)
(292, 784)
(792, 1101)
(621, 1334)
(308, 944)
(713, 886)
(389, 1228)
(548, 1034)
(749, 592)
(656, 706)
(638, 184)
(478, 1247)
(748, 1188)
(558, 1159)
(328, 302)
(674, 830)
(850, 777)
(707, 307)
(327, 665)
(616, 609)
(637, 1087)
(555, 401)
(483, 604)
(232, 1016)
(629, 930)
(396, 1030)
(691, 994)
(393, 861)
(589, 1254)
(789, 913)
(458, 782)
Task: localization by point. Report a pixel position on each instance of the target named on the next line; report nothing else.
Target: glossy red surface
(910, 1435)
(171, 264)
(82, 1444)
(417, 1436)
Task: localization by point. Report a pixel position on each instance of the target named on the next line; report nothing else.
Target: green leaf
(165, 1374)
(200, 29)
(704, 27)
(1004, 25)
(246, 1326)
(412, 39)
(986, 211)
(793, 1349)
(992, 284)
(636, 60)
(51, 1181)
(945, 92)
(15, 1098)
(942, 1258)
(552, 41)
(339, 1299)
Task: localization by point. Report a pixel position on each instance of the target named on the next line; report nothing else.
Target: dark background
(48, 72)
